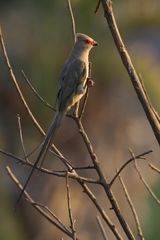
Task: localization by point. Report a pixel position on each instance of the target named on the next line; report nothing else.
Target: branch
(72, 19)
(72, 222)
(154, 168)
(101, 211)
(102, 180)
(81, 181)
(150, 112)
(103, 232)
(97, 7)
(146, 184)
(126, 163)
(62, 174)
(140, 233)
(36, 93)
(21, 138)
(143, 180)
(39, 207)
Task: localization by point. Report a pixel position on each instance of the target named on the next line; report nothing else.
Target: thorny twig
(140, 233)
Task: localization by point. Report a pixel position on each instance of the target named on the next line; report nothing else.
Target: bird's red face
(91, 42)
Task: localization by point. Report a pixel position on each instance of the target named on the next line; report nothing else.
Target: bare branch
(97, 7)
(72, 222)
(86, 94)
(39, 207)
(21, 138)
(154, 167)
(147, 107)
(103, 232)
(103, 181)
(62, 174)
(143, 180)
(51, 213)
(72, 19)
(140, 233)
(74, 37)
(101, 211)
(36, 93)
(146, 184)
(140, 156)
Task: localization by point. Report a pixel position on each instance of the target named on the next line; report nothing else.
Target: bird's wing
(72, 75)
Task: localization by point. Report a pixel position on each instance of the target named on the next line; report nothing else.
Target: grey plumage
(71, 88)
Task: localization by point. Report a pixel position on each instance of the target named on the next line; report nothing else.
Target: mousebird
(71, 88)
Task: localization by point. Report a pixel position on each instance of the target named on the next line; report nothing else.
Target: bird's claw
(90, 82)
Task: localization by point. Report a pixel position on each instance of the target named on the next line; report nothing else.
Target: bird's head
(85, 42)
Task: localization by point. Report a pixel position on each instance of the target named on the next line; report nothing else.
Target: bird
(71, 88)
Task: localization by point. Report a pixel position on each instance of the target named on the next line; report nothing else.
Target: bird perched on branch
(71, 88)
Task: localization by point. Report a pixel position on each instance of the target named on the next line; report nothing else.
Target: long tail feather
(47, 143)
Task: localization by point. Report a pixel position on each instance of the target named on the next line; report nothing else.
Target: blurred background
(38, 38)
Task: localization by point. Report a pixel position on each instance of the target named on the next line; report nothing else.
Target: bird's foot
(90, 82)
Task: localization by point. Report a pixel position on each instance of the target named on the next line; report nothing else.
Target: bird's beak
(95, 44)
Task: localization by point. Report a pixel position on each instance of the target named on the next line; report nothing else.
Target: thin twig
(103, 232)
(140, 156)
(36, 93)
(62, 174)
(72, 19)
(84, 168)
(39, 96)
(80, 115)
(86, 94)
(147, 107)
(38, 207)
(143, 180)
(140, 233)
(21, 138)
(51, 213)
(154, 167)
(149, 101)
(97, 7)
(146, 184)
(69, 6)
(72, 222)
